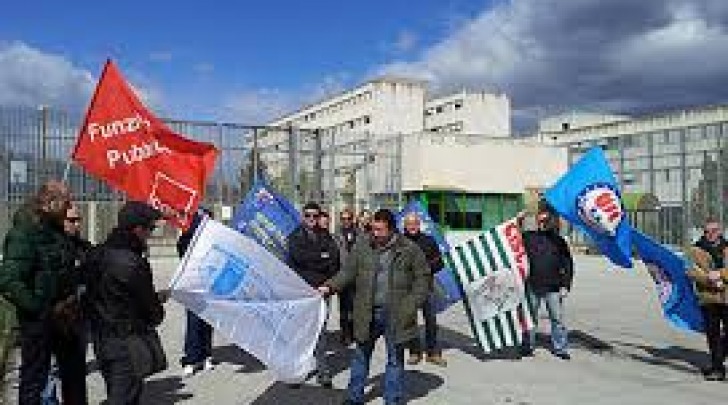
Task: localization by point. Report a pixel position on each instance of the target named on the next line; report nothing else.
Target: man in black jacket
(313, 254)
(549, 279)
(428, 245)
(123, 299)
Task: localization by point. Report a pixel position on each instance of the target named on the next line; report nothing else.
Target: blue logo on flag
(226, 272)
(588, 197)
(674, 289)
(267, 217)
(446, 285)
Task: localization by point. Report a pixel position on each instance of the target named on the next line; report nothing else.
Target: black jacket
(429, 247)
(716, 250)
(314, 255)
(550, 263)
(123, 298)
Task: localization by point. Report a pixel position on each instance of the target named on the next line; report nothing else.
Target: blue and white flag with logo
(588, 197)
(674, 289)
(252, 298)
(447, 287)
(267, 217)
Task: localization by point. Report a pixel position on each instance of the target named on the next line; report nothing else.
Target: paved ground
(623, 353)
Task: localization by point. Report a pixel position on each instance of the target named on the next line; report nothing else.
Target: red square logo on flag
(171, 196)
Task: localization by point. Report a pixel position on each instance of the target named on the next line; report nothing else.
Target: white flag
(253, 298)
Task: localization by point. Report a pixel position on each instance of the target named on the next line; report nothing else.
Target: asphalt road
(623, 353)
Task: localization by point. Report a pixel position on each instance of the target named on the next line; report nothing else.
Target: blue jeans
(361, 358)
(555, 309)
(429, 314)
(198, 340)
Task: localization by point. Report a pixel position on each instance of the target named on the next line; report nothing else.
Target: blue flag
(447, 288)
(675, 290)
(588, 197)
(267, 217)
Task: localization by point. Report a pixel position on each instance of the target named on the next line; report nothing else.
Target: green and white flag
(492, 269)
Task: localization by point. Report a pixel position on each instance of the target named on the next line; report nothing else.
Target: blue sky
(196, 55)
(246, 61)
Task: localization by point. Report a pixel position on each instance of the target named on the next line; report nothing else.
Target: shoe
(437, 360)
(414, 359)
(526, 352)
(325, 381)
(715, 375)
(209, 364)
(350, 402)
(563, 355)
(189, 370)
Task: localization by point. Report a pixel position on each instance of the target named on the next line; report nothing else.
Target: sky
(248, 62)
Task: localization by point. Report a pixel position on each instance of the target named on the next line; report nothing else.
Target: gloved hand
(563, 292)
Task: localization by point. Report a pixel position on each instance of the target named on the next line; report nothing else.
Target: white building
(454, 153)
(469, 113)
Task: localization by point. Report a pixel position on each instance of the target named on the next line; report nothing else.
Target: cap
(135, 213)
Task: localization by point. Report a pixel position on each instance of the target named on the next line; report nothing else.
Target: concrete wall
(485, 166)
(470, 113)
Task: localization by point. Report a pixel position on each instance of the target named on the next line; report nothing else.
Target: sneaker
(208, 364)
(563, 355)
(437, 360)
(188, 370)
(414, 359)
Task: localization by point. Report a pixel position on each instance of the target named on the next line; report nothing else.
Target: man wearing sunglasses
(314, 256)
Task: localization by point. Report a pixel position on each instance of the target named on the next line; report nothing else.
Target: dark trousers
(198, 340)
(123, 387)
(716, 331)
(39, 340)
(430, 316)
(346, 310)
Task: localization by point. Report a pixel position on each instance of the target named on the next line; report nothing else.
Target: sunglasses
(311, 214)
(346, 218)
(73, 220)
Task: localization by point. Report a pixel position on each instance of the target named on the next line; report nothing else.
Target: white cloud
(30, 77)
(259, 106)
(204, 68)
(406, 41)
(161, 56)
(621, 55)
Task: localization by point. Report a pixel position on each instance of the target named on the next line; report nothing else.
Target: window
(438, 109)
(564, 126)
(367, 119)
(458, 105)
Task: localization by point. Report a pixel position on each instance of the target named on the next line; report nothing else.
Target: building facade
(671, 166)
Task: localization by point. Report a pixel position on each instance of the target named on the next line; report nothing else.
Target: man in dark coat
(313, 255)
(123, 299)
(391, 279)
(551, 270)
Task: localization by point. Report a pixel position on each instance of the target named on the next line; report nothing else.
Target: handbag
(146, 353)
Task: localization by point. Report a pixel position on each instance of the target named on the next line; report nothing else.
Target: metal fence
(337, 170)
(680, 173)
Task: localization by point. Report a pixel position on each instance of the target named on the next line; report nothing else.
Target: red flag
(124, 144)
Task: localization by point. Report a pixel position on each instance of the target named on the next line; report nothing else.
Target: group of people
(382, 279)
(68, 293)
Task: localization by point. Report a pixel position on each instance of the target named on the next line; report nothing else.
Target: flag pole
(66, 171)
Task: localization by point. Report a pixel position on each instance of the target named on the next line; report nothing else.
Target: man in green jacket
(37, 277)
(390, 276)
